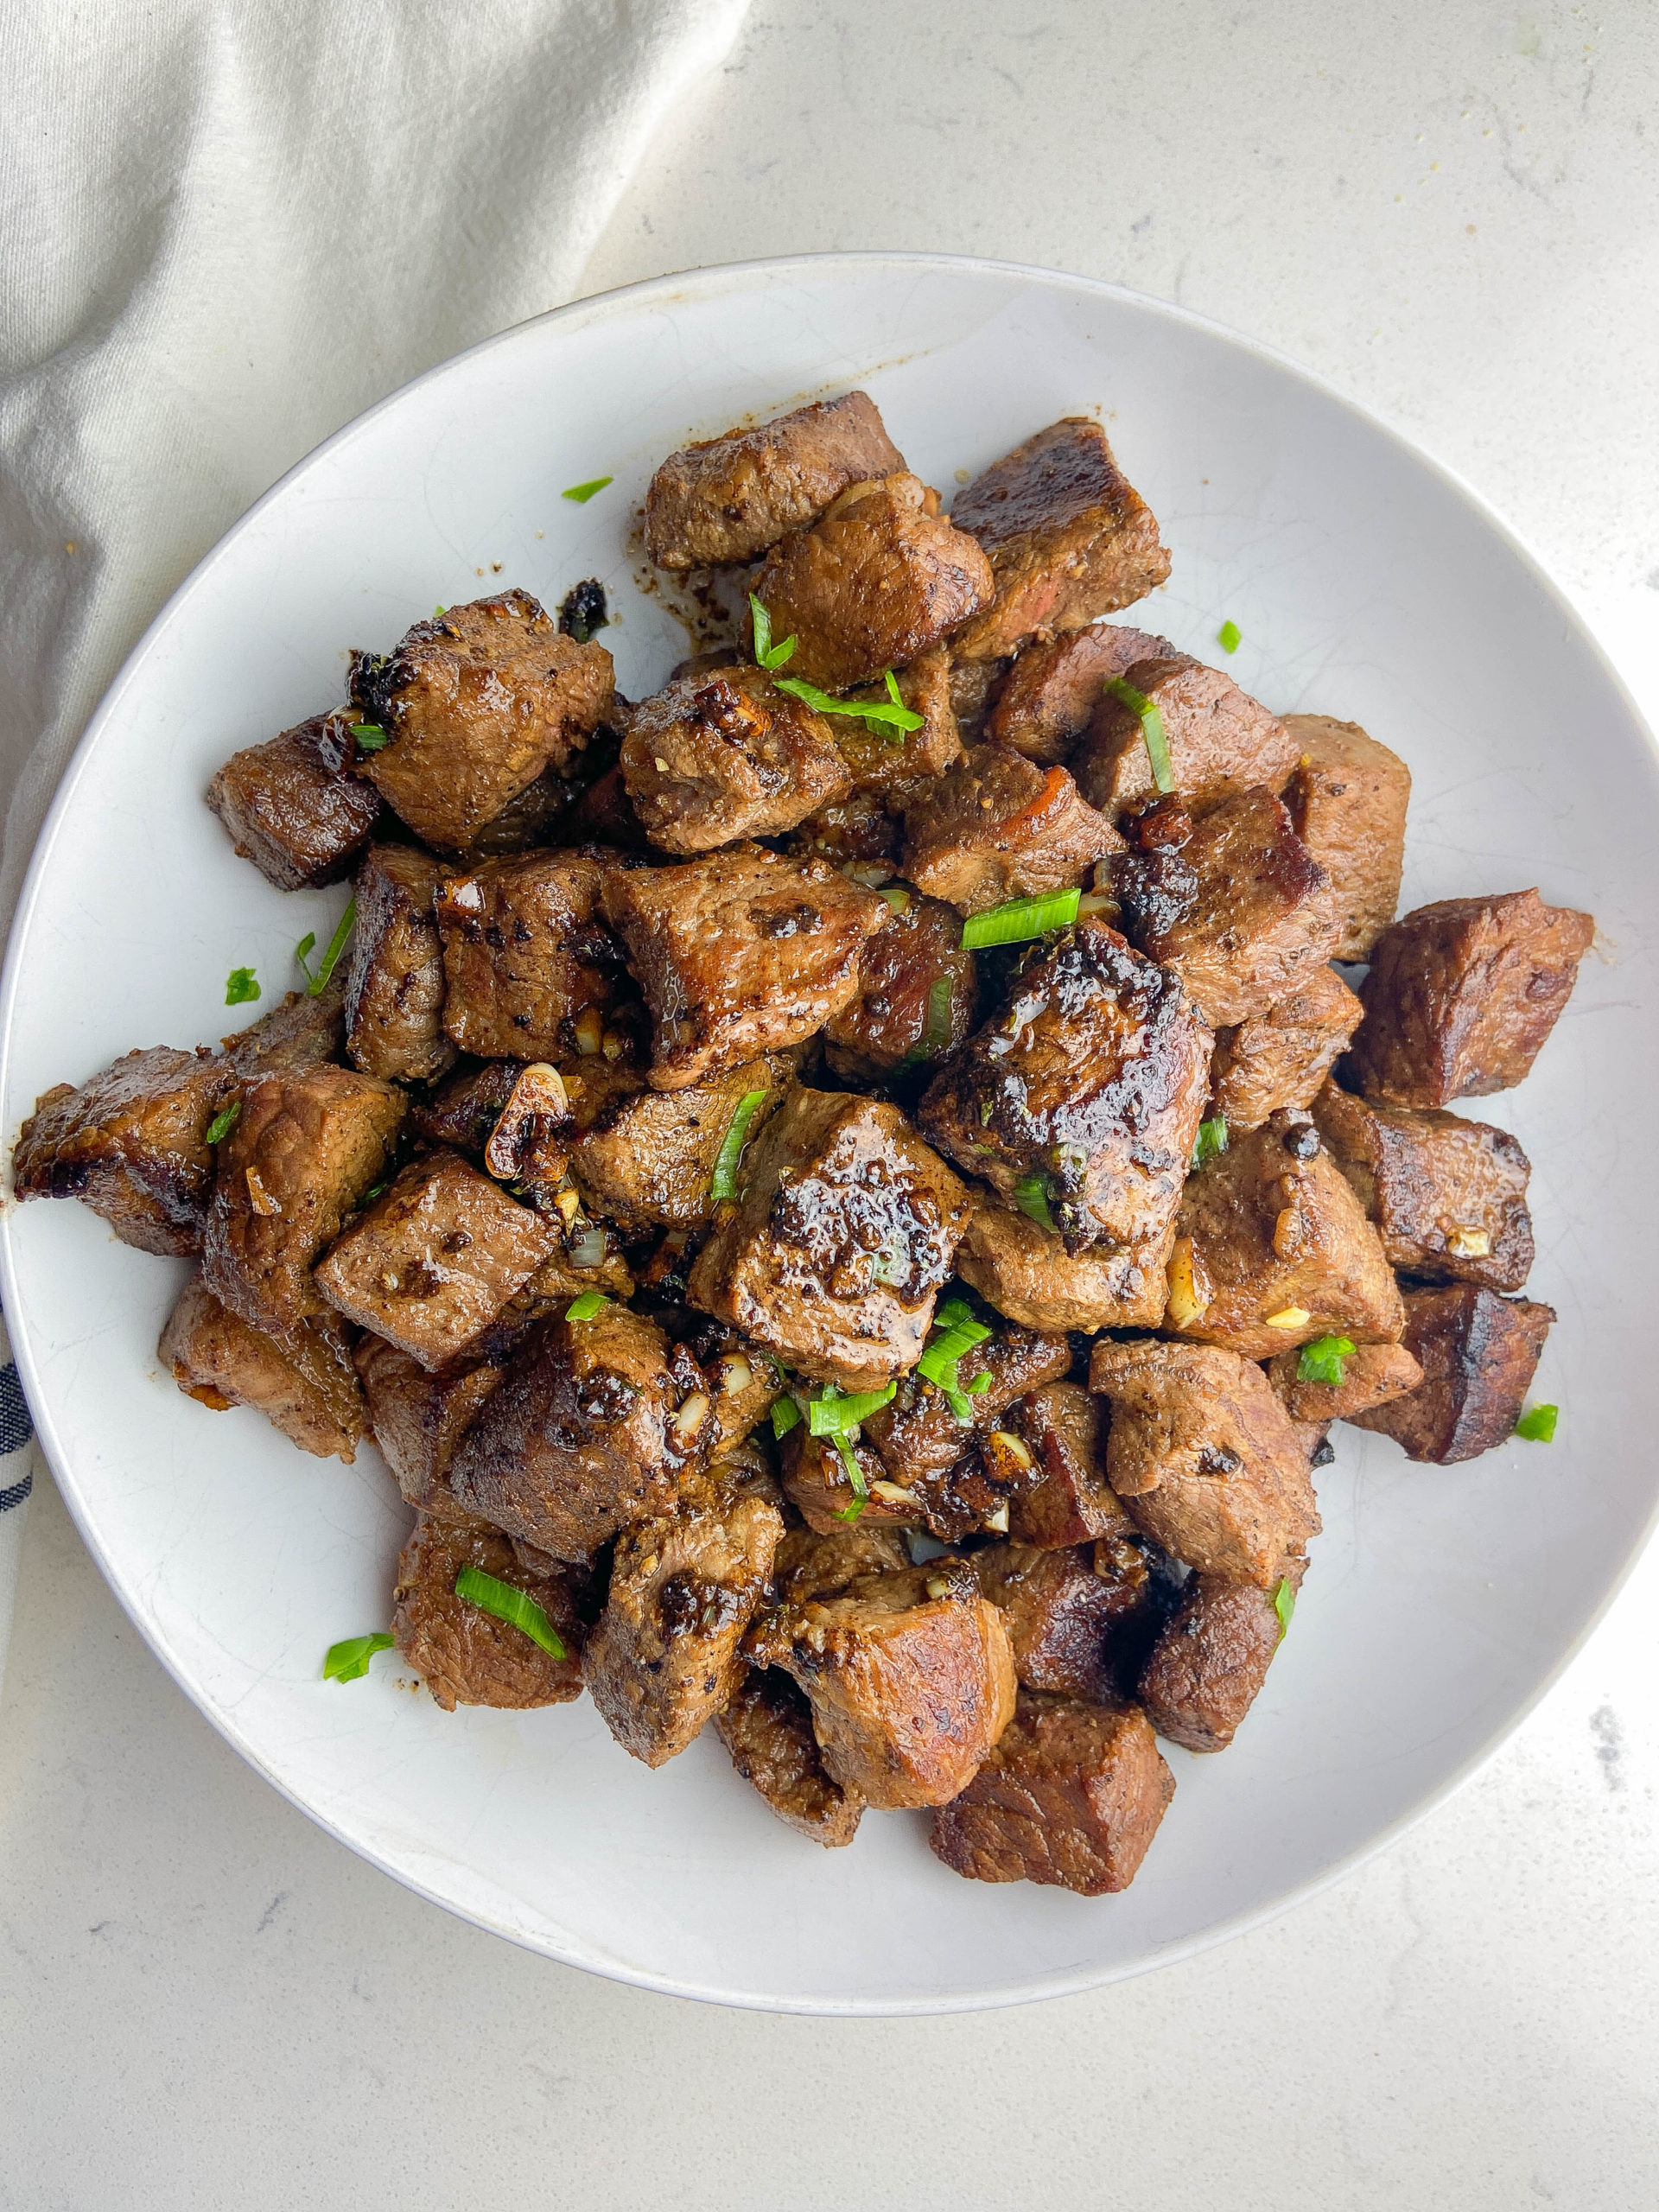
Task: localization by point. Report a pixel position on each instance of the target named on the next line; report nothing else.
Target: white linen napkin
(227, 226)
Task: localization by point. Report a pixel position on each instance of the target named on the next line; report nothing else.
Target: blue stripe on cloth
(15, 1424)
(16, 1494)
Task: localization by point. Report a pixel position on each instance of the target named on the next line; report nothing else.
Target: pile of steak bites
(854, 1189)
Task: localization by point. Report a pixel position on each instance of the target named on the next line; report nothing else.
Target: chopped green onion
(369, 736)
(1031, 1196)
(318, 984)
(1019, 918)
(855, 1472)
(979, 1382)
(936, 1032)
(1539, 1426)
(723, 1184)
(344, 1661)
(836, 1412)
(1212, 1140)
(954, 1335)
(1321, 1361)
(222, 1124)
(582, 492)
(240, 986)
(585, 1304)
(517, 1607)
(786, 1416)
(1284, 1603)
(851, 1512)
(438, 613)
(896, 896)
(1152, 724)
(378, 1191)
(877, 716)
(767, 655)
(1229, 637)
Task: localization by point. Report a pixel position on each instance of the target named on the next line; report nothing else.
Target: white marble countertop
(1453, 213)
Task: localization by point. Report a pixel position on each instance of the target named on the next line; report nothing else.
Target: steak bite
(918, 1435)
(1274, 1250)
(1027, 1274)
(464, 1654)
(1072, 1503)
(1071, 1796)
(475, 704)
(1210, 1662)
(419, 1420)
(1478, 1353)
(819, 1485)
(1280, 1057)
(1371, 1375)
(394, 985)
(729, 499)
(304, 1149)
(1059, 1615)
(881, 579)
(1069, 537)
(1216, 734)
(648, 1161)
(995, 828)
(1046, 703)
(301, 1033)
(294, 807)
(767, 1728)
(918, 996)
(684, 1586)
(597, 1423)
(727, 754)
(1228, 897)
(431, 1264)
(909, 1674)
(739, 953)
(1206, 1459)
(303, 1385)
(1084, 1094)
(1462, 994)
(843, 1233)
(893, 763)
(1347, 798)
(529, 966)
(1448, 1196)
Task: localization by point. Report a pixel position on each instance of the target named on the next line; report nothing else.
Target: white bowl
(1367, 584)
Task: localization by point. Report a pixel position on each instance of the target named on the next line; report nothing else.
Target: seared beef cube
(1274, 1250)
(995, 828)
(597, 1424)
(463, 1113)
(857, 834)
(767, 1728)
(1027, 1274)
(1073, 1502)
(648, 1159)
(845, 1230)
(1477, 1352)
(918, 995)
(891, 762)
(539, 814)
(918, 1435)
(1280, 1057)
(810, 1565)
(910, 1677)
(304, 1385)
(1071, 1797)
(1206, 1459)
(394, 988)
(684, 1586)
(726, 755)
(464, 1654)
(729, 499)
(301, 1033)
(1084, 1093)
(739, 953)
(526, 957)
(1371, 1375)
(1210, 1662)
(431, 1263)
(1348, 800)
(419, 1419)
(304, 1149)
(1448, 1196)
(1238, 910)
(475, 704)
(1052, 690)
(1216, 734)
(1069, 537)
(1059, 1615)
(880, 581)
(1462, 994)
(294, 807)
(743, 1383)
(819, 1485)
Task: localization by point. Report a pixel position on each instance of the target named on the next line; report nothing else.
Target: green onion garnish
(954, 1334)
(1152, 724)
(369, 736)
(344, 1661)
(240, 986)
(1019, 918)
(1031, 1196)
(438, 613)
(1321, 1361)
(1539, 1426)
(1230, 636)
(837, 1411)
(318, 984)
(767, 655)
(851, 1512)
(786, 1416)
(882, 717)
(855, 1472)
(1284, 1603)
(585, 1304)
(517, 1607)
(222, 1124)
(936, 1033)
(1212, 1140)
(723, 1184)
(582, 492)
